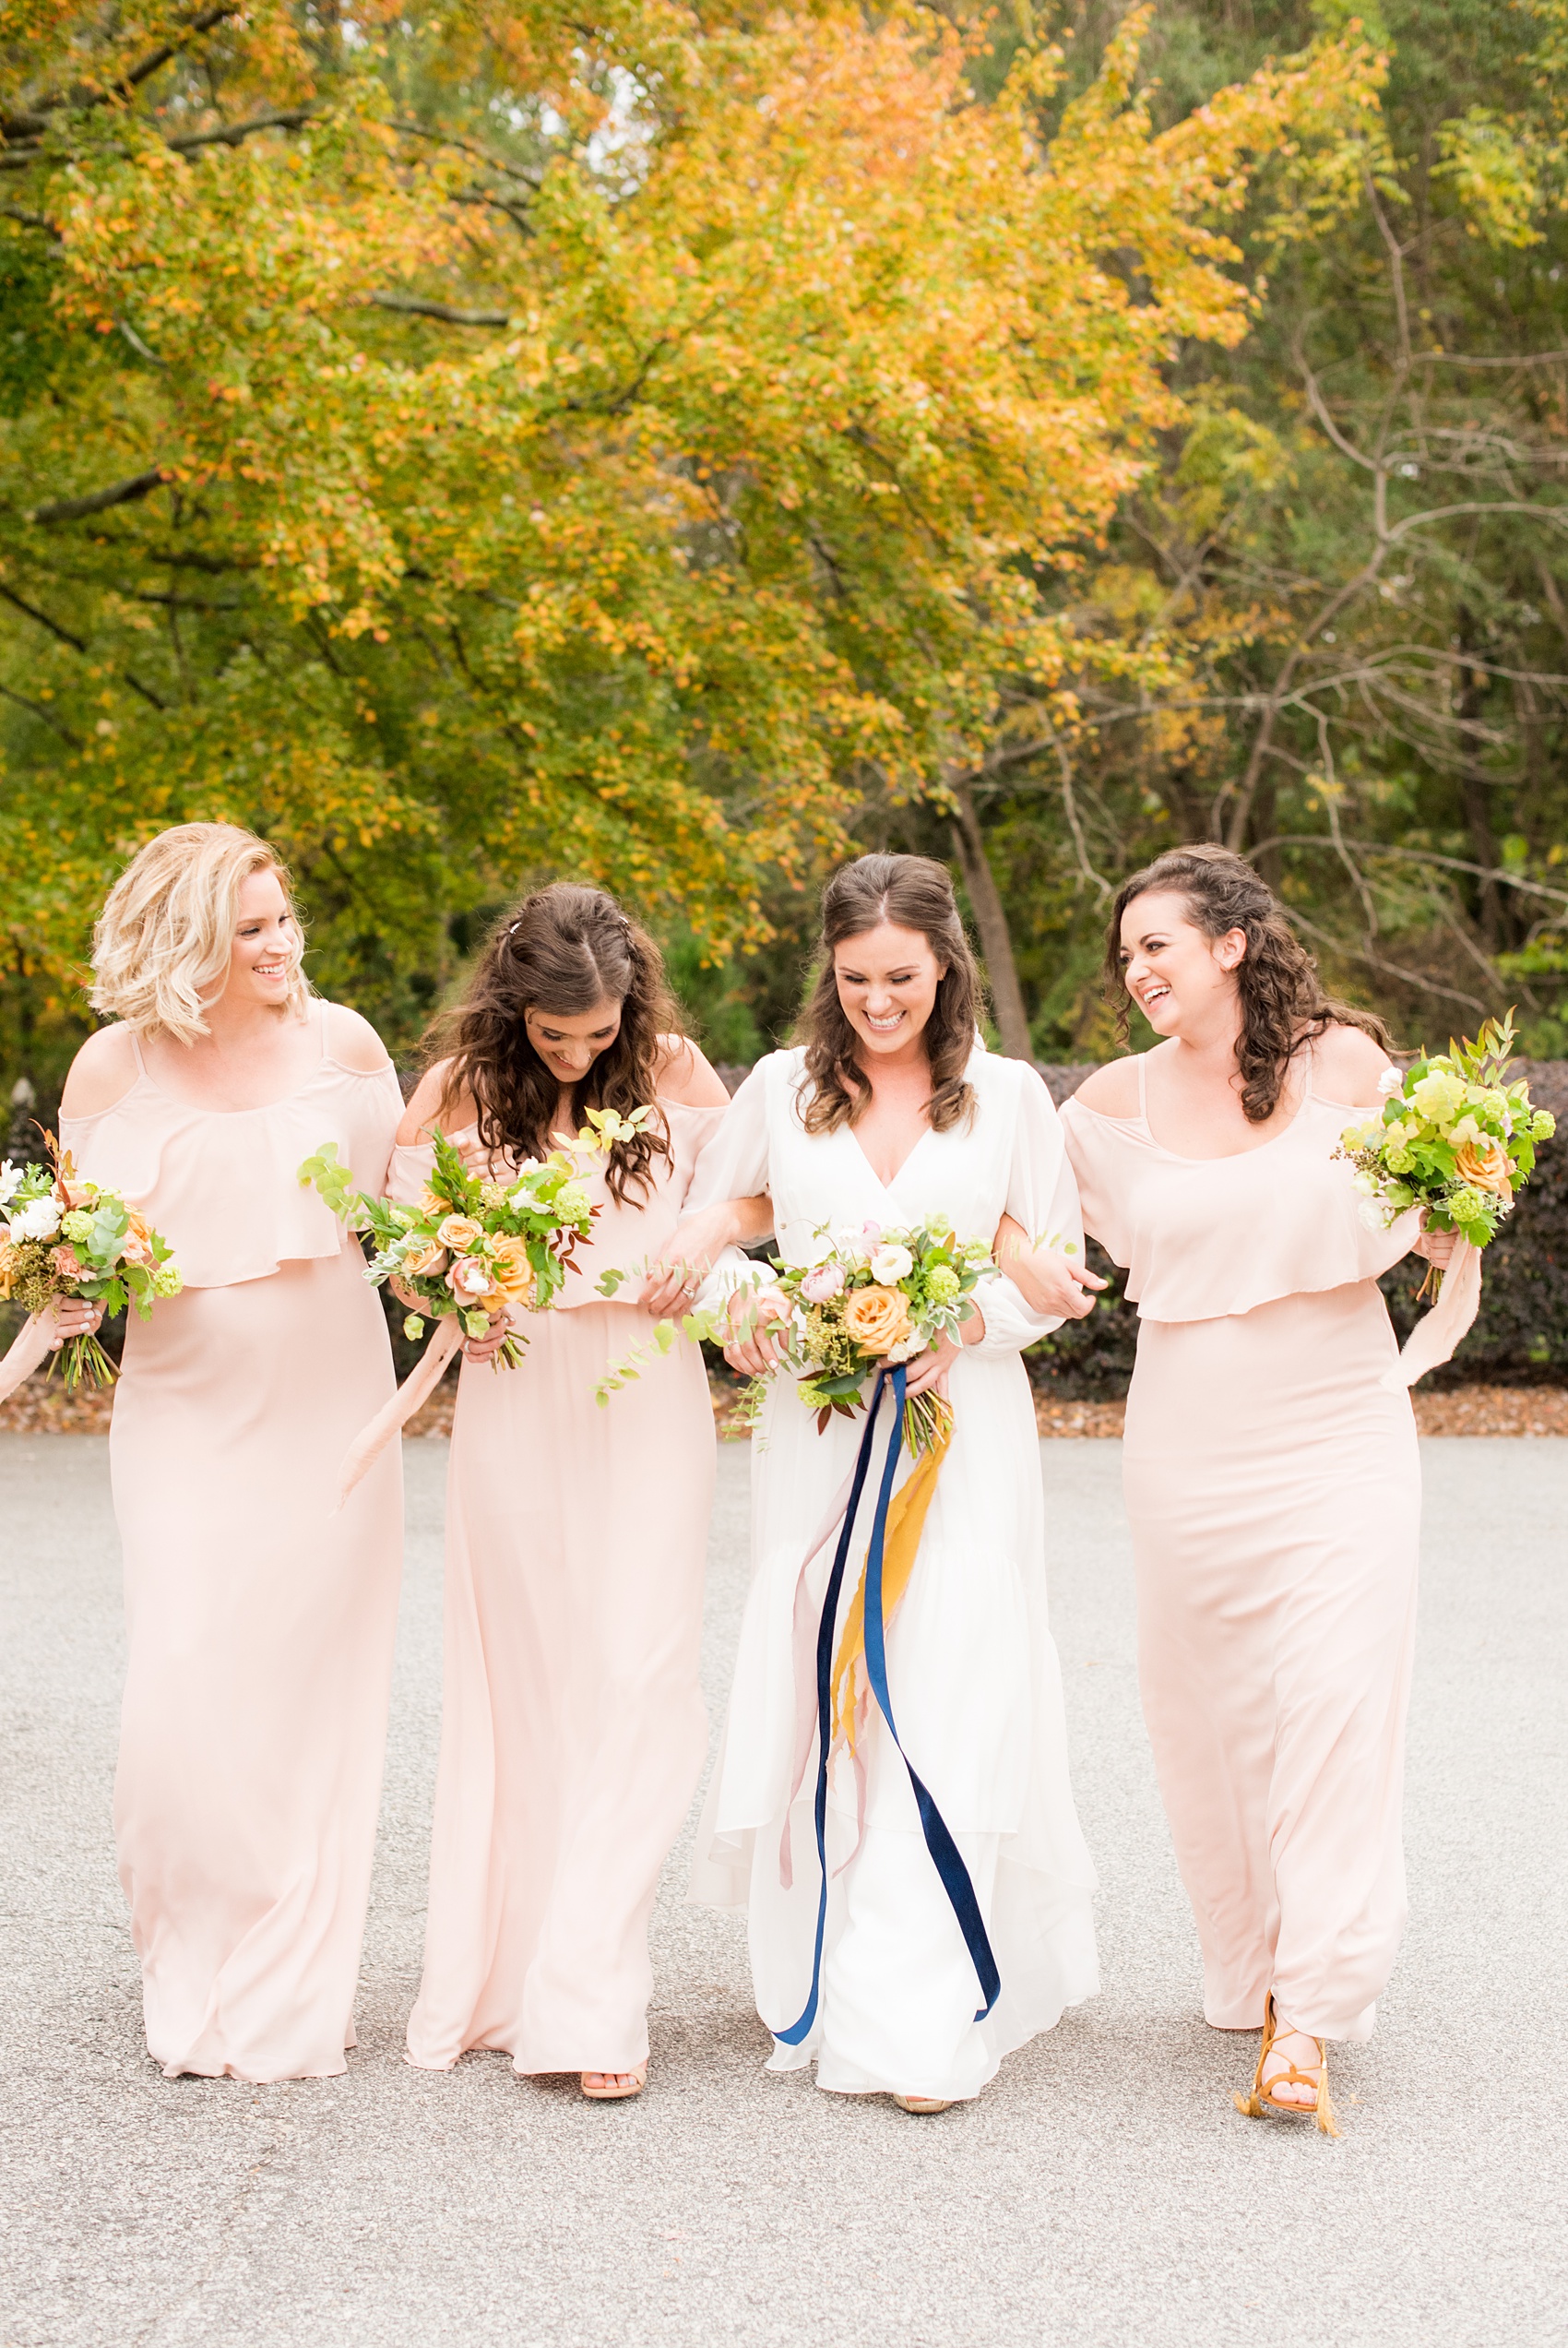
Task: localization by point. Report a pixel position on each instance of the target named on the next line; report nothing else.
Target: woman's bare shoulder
(681, 1074)
(428, 1105)
(354, 1043)
(1114, 1089)
(1347, 1065)
(102, 1074)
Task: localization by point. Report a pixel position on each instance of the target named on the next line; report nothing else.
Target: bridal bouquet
(470, 1247)
(1452, 1138)
(65, 1238)
(868, 1297)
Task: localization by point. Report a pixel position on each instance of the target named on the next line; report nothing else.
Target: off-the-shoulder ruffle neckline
(1140, 1126)
(146, 1083)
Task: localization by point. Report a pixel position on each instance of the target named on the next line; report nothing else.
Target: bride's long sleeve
(734, 1164)
(1042, 1195)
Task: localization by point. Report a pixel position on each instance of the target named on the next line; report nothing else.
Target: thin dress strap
(326, 1047)
(136, 1050)
(1143, 1087)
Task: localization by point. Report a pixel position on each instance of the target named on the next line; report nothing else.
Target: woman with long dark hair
(1272, 1478)
(572, 1727)
(890, 1113)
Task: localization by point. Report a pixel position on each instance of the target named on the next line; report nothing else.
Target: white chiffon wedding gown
(972, 1669)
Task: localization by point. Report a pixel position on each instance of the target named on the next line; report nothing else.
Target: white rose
(1391, 1081)
(39, 1219)
(1374, 1217)
(890, 1265)
(10, 1182)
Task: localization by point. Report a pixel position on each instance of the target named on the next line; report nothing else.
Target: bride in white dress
(893, 1113)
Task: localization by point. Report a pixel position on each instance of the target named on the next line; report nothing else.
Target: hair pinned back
(565, 951)
(162, 944)
(1283, 1004)
(913, 892)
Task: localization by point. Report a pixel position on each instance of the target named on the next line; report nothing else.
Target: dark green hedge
(1520, 1337)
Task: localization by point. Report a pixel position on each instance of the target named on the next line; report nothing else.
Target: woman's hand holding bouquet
(67, 1243)
(1452, 1138)
(865, 1299)
(470, 1247)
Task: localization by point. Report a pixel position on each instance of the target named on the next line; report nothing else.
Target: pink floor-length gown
(573, 1726)
(260, 1627)
(1274, 1490)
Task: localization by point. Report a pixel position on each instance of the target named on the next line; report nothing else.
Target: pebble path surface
(1102, 2191)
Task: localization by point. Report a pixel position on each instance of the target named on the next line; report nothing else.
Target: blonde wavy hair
(162, 946)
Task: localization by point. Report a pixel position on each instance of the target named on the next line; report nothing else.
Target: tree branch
(46, 717)
(33, 124)
(235, 134)
(98, 501)
(414, 306)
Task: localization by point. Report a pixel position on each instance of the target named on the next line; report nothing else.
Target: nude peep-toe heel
(610, 2093)
(1263, 2097)
(923, 2104)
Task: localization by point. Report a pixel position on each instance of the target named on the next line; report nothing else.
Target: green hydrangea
(571, 1202)
(942, 1284)
(77, 1224)
(1465, 1205)
(1543, 1124)
(166, 1280)
(1397, 1160)
(975, 1251)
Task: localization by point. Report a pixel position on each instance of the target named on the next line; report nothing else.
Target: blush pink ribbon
(1435, 1336)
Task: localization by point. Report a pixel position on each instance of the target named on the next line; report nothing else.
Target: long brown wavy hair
(912, 893)
(562, 951)
(1283, 1004)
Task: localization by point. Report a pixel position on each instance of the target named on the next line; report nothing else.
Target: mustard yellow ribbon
(906, 1523)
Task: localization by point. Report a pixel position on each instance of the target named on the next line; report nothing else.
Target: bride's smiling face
(1175, 973)
(887, 979)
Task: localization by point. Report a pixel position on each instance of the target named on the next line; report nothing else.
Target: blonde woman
(260, 1625)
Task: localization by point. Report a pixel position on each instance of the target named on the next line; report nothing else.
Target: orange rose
(137, 1245)
(514, 1273)
(459, 1233)
(877, 1318)
(7, 1268)
(429, 1259)
(1484, 1164)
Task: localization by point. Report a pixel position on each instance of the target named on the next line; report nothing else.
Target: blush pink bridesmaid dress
(1274, 1491)
(260, 1626)
(573, 1726)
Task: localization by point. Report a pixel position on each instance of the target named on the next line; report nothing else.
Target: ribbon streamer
(906, 1523)
(29, 1347)
(374, 1437)
(1435, 1336)
(946, 1856)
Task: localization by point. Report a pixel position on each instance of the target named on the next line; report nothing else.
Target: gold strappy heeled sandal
(921, 2103)
(1263, 2097)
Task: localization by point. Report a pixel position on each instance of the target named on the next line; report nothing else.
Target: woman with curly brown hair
(889, 1113)
(1271, 1477)
(572, 1725)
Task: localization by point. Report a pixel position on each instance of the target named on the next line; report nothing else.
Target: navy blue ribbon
(945, 1854)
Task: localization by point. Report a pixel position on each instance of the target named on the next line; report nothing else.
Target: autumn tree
(466, 445)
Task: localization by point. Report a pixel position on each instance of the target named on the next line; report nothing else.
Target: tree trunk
(1478, 803)
(990, 920)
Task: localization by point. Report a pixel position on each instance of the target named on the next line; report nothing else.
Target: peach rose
(65, 1263)
(513, 1272)
(137, 1245)
(428, 1258)
(470, 1279)
(459, 1233)
(877, 1318)
(1484, 1164)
